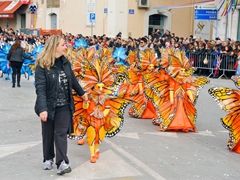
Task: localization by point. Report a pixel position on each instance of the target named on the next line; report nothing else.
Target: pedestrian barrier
(213, 64)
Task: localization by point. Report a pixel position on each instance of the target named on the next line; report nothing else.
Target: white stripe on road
(128, 135)
(136, 161)
(14, 148)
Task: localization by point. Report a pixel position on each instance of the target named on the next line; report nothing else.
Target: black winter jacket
(16, 56)
(47, 84)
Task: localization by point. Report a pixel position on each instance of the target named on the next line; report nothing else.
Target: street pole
(216, 29)
(91, 28)
(226, 29)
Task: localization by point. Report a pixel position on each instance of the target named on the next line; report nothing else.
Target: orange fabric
(236, 148)
(179, 114)
(181, 120)
(96, 123)
(150, 111)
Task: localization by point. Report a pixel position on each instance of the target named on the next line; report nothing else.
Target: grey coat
(17, 55)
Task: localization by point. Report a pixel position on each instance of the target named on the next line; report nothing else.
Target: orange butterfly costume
(176, 93)
(76, 56)
(229, 100)
(142, 107)
(102, 115)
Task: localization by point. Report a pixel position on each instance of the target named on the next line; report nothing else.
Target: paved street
(138, 152)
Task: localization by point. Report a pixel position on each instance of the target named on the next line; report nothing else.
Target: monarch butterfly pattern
(236, 80)
(229, 100)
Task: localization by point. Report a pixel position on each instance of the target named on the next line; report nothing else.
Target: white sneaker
(47, 165)
(63, 168)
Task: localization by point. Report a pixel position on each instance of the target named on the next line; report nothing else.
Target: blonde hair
(46, 58)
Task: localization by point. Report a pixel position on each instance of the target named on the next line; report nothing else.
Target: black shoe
(13, 86)
(18, 85)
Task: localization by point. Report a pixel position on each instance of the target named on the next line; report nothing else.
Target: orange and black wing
(116, 116)
(175, 66)
(146, 58)
(79, 122)
(236, 80)
(90, 75)
(167, 113)
(197, 85)
(106, 75)
(229, 101)
(133, 77)
(138, 105)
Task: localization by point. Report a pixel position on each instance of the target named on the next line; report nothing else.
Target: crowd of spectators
(196, 49)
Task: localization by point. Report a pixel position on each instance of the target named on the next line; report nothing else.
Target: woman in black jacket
(54, 104)
(15, 57)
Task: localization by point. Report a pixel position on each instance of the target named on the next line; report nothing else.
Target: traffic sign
(205, 14)
(92, 17)
(131, 11)
(105, 10)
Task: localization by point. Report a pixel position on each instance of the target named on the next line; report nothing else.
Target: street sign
(92, 17)
(105, 10)
(131, 11)
(205, 14)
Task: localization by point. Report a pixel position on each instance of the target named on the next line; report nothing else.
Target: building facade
(134, 18)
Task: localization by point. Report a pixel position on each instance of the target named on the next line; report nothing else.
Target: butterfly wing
(226, 98)
(132, 58)
(229, 101)
(175, 66)
(146, 58)
(116, 115)
(138, 106)
(133, 76)
(90, 75)
(165, 59)
(197, 86)
(79, 121)
(156, 100)
(106, 74)
(107, 53)
(167, 113)
(236, 80)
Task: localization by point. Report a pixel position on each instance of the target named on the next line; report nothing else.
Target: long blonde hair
(46, 58)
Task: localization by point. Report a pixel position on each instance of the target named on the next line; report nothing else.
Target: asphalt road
(138, 152)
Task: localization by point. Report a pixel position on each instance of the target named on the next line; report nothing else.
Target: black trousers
(16, 67)
(56, 131)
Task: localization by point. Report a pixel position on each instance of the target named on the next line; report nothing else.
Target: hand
(43, 116)
(85, 97)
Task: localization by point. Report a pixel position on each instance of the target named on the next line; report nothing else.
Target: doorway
(53, 21)
(23, 20)
(156, 21)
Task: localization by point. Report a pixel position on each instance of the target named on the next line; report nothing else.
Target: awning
(7, 8)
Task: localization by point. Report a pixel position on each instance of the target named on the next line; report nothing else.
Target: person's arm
(9, 54)
(24, 55)
(76, 86)
(41, 89)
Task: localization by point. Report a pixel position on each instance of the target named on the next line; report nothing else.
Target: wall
(72, 17)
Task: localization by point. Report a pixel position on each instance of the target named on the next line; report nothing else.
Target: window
(156, 19)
